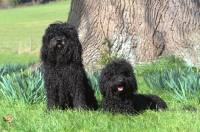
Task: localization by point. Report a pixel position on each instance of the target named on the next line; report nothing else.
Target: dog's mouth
(120, 88)
(59, 45)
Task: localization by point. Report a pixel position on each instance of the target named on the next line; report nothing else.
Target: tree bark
(139, 30)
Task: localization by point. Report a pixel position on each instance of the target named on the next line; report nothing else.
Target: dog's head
(61, 44)
(118, 78)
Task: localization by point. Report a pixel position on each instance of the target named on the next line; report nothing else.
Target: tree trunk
(139, 30)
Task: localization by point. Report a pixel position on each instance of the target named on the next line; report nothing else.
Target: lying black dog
(118, 87)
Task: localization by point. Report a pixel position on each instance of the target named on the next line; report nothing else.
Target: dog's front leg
(51, 100)
(79, 101)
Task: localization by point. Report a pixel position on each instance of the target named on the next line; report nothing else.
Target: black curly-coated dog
(65, 79)
(118, 87)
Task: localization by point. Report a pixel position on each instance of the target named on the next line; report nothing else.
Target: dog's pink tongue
(120, 89)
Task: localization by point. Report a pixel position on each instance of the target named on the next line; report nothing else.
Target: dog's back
(148, 101)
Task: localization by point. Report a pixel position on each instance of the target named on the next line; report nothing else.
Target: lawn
(22, 29)
(33, 118)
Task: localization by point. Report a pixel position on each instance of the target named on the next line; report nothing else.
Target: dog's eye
(51, 36)
(67, 38)
(63, 38)
(125, 74)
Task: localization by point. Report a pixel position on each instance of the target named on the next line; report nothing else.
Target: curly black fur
(118, 87)
(65, 79)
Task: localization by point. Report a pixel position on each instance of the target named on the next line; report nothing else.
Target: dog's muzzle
(121, 85)
(59, 45)
(58, 42)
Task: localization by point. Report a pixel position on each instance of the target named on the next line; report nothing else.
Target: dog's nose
(121, 80)
(58, 39)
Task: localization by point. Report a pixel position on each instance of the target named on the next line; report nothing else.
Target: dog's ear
(103, 84)
(77, 55)
(43, 50)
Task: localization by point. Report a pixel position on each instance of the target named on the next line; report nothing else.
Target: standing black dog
(118, 87)
(65, 79)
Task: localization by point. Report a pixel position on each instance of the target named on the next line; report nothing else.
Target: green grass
(12, 58)
(20, 25)
(33, 118)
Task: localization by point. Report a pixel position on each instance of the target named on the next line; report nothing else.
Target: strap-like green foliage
(15, 84)
(180, 83)
(10, 68)
(94, 80)
(26, 87)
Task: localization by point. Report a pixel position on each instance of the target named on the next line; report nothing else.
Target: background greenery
(12, 3)
(21, 113)
(19, 26)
